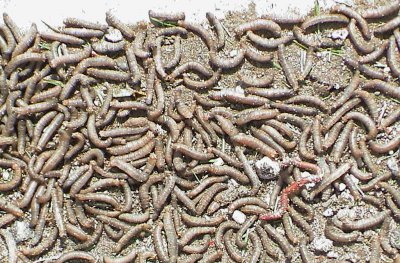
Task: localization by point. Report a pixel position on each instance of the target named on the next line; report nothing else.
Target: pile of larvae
(175, 141)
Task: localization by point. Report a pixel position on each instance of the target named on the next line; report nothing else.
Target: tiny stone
(122, 92)
(266, 168)
(322, 244)
(328, 212)
(395, 238)
(6, 175)
(332, 254)
(113, 35)
(340, 34)
(393, 166)
(239, 217)
(218, 162)
(22, 231)
(233, 182)
(342, 186)
(233, 53)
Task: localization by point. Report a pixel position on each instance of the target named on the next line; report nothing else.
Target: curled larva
(326, 181)
(334, 118)
(200, 31)
(323, 18)
(365, 120)
(310, 100)
(82, 32)
(132, 145)
(270, 43)
(254, 143)
(256, 82)
(341, 142)
(129, 235)
(381, 11)
(388, 26)
(216, 23)
(347, 11)
(81, 23)
(231, 250)
(75, 255)
(258, 24)
(26, 41)
(365, 223)
(392, 57)
(246, 116)
(301, 222)
(45, 245)
(22, 59)
(227, 63)
(390, 119)
(71, 58)
(287, 69)
(281, 240)
(107, 74)
(369, 101)
(254, 55)
(386, 147)
(357, 40)
(349, 91)
(374, 55)
(369, 71)
(164, 16)
(118, 24)
(339, 236)
(382, 86)
(11, 245)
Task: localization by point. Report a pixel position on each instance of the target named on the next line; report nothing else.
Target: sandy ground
(26, 12)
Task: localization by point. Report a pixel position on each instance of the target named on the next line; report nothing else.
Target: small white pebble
(339, 34)
(267, 168)
(113, 35)
(233, 182)
(218, 162)
(6, 175)
(342, 186)
(328, 212)
(322, 244)
(393, 165)
(22, 231)
(332, 254)
(233, 53)
(122, 92)
(239, 217)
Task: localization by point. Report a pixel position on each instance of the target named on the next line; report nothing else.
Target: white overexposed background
(24, 12)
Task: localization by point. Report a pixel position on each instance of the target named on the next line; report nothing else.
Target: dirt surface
(344, 201)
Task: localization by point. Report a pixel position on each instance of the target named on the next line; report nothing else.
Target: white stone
(22, 231)
(342, 186)
(328, 212)
(322, 244)
(267, 168)
(113, 35)
(340, 34)
(233, 182)
(122, 92)
(239, 217)
(6, 175)
(393, 165)
(218, 162)
(233, 53)
(332, 254)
